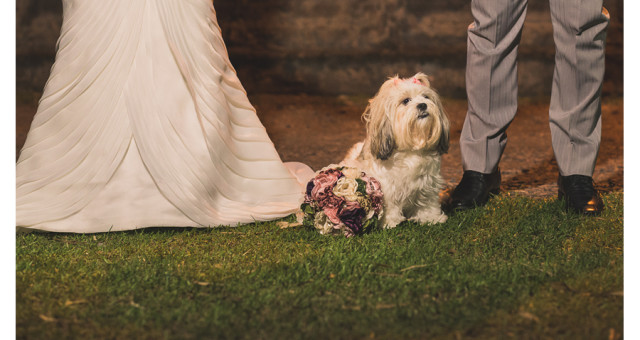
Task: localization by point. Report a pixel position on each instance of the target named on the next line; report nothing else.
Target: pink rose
(324, 197)
(329, 177)
(350, 206)
(374, 190)
(372, 185)
(322, 191)
(376, 203)
(330, 205)
(323, 183)
(332, 214)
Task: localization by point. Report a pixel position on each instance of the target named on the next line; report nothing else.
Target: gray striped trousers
(579, 32)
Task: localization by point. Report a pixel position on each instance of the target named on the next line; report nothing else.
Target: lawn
(517, 268)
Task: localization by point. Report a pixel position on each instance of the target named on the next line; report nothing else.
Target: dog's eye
(427, 97)
(406, 101)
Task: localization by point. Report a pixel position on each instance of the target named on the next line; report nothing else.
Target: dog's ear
(443, 143)
(422, 78)
(382, 142)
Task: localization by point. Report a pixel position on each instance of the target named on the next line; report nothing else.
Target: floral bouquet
(342, 200)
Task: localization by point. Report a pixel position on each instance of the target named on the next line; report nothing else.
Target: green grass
(518, 268)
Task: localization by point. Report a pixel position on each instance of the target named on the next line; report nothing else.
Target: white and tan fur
(403, 147)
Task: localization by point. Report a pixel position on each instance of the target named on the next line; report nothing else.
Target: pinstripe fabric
(492, 82)
(579, 32)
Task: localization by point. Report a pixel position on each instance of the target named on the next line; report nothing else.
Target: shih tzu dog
(407, 132)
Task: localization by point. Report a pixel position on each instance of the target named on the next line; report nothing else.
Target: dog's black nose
(422, 107)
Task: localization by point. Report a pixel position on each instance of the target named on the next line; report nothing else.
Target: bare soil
(318, 130)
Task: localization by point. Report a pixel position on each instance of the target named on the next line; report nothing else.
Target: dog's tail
(353, 155)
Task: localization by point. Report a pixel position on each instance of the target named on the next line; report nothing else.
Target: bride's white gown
(143, 122)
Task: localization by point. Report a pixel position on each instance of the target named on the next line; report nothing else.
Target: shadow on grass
(513, 267)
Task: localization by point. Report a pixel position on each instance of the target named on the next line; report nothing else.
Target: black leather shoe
(579, 195)
(474, 190)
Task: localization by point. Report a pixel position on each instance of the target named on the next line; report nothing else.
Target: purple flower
(352, 214)
(310, 186)
(307, 196)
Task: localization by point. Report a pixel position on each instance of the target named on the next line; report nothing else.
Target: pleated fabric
(143, 122)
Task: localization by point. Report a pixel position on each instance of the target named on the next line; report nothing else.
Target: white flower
(322, 223)
(328, 167)
(351, 172)
(370, 214)
(347, 188)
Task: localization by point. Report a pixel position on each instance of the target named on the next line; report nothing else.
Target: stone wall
(338, 46)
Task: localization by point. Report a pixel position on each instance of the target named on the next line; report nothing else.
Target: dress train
(143, 122)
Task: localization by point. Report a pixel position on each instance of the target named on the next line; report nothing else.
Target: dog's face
(406, 114)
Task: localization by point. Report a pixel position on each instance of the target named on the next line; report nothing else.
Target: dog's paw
(432, 216)
(389, 225)
(391, 220)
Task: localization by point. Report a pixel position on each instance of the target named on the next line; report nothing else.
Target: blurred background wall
(333, 47)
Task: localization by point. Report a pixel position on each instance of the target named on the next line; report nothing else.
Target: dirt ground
(318, 130)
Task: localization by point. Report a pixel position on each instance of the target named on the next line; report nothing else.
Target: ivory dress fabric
(143, 122)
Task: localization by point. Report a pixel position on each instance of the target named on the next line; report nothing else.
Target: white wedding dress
(143, 122)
